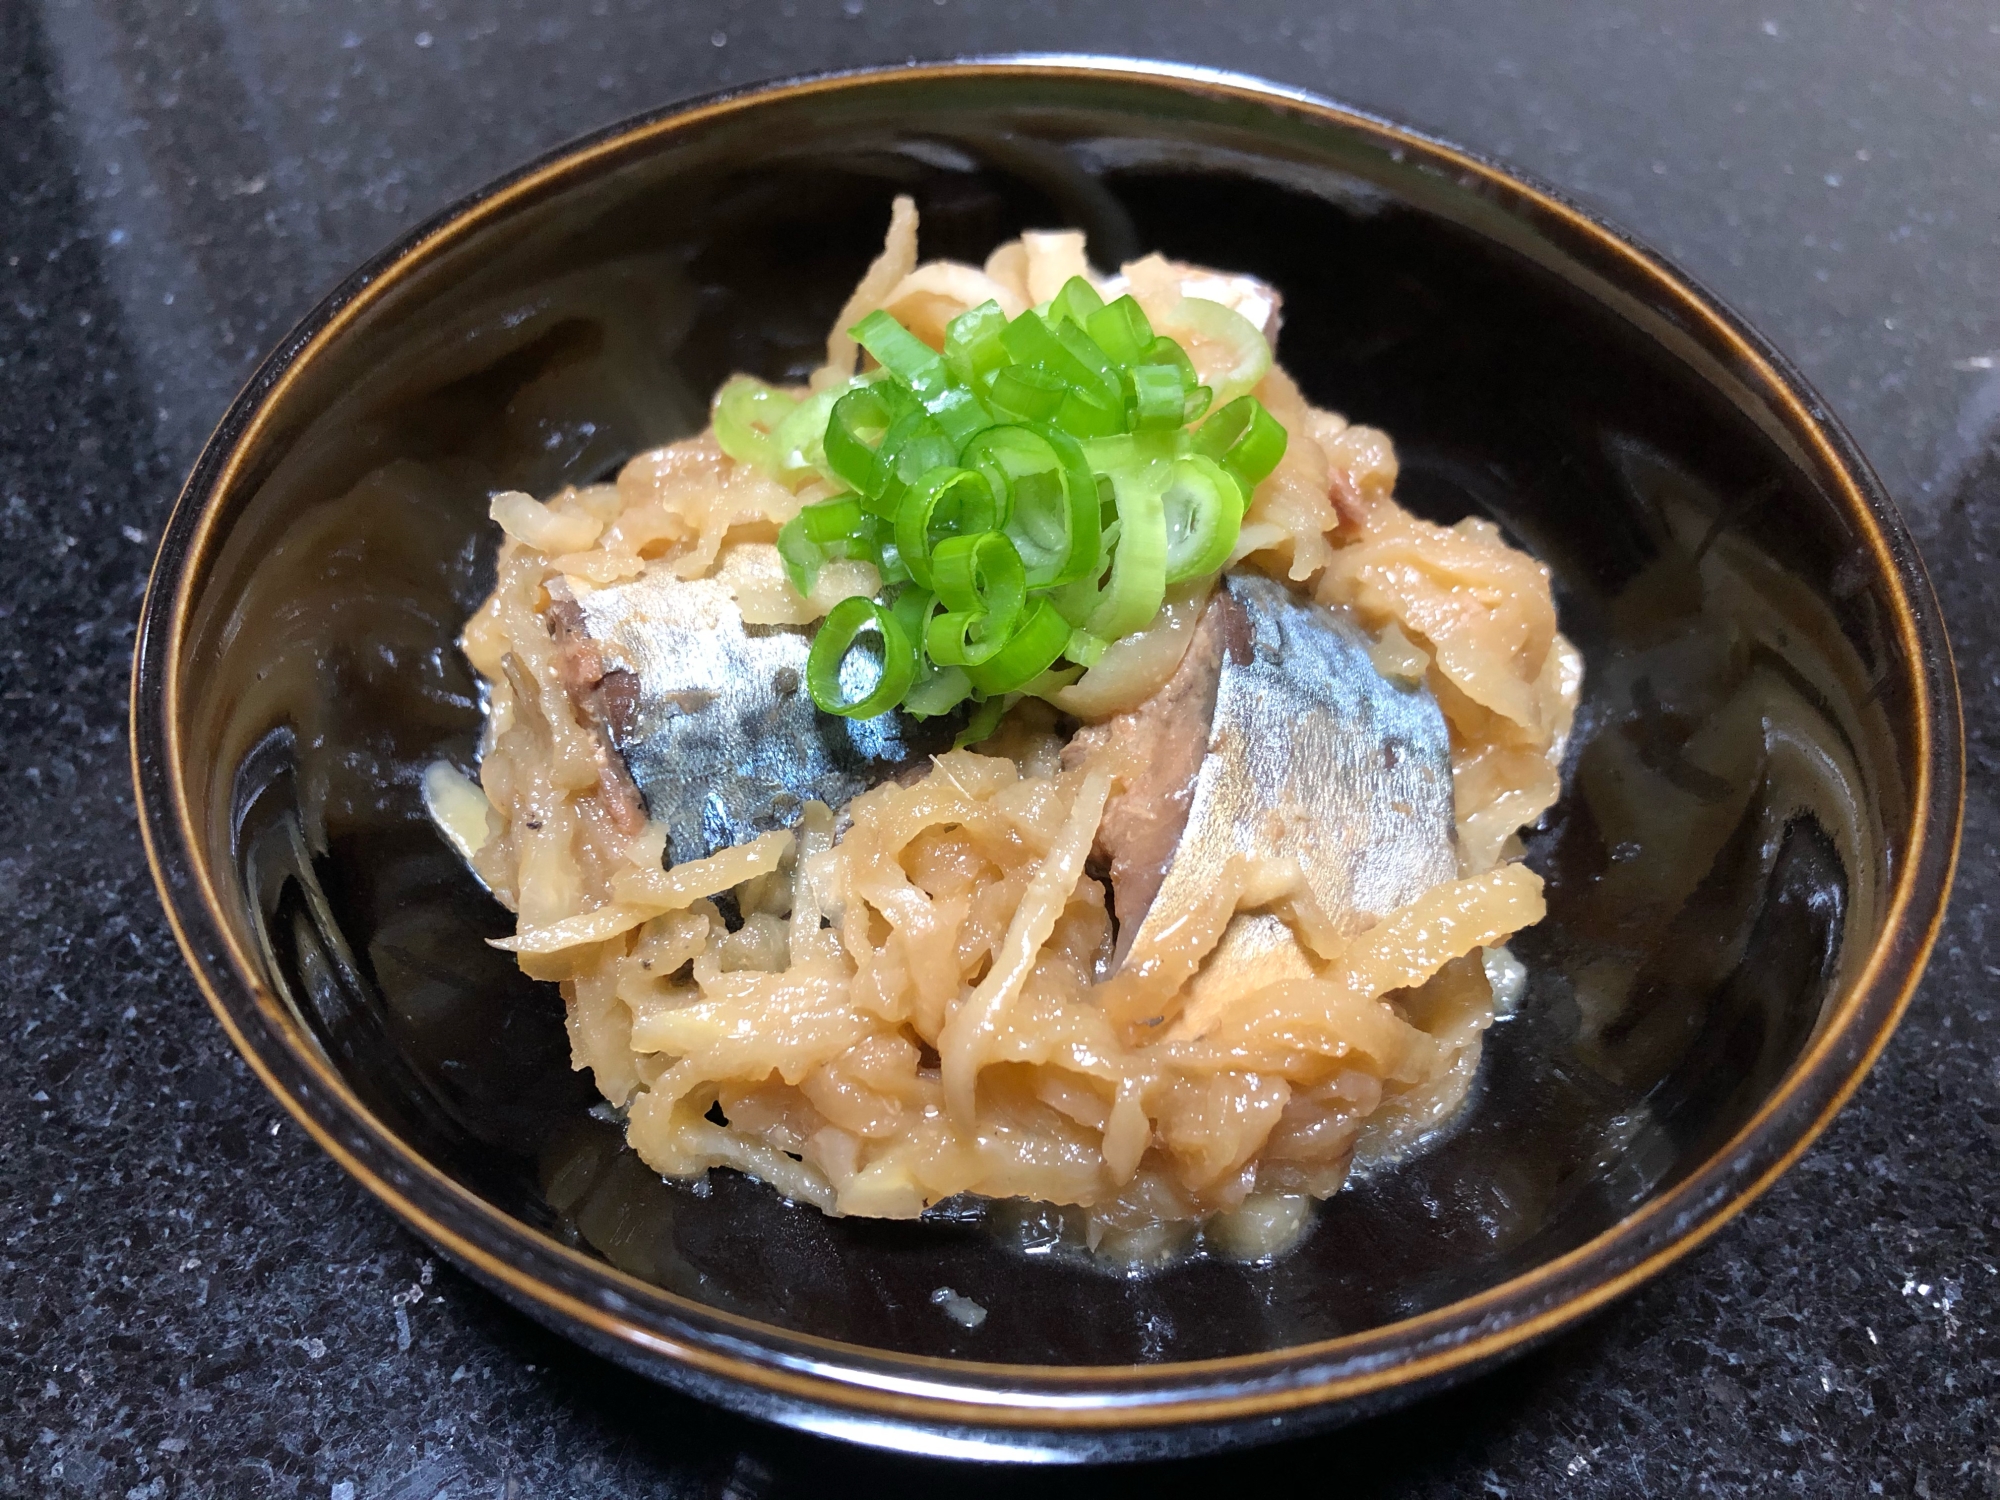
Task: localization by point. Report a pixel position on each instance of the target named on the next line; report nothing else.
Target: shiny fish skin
(724, 742)
(1312, 756)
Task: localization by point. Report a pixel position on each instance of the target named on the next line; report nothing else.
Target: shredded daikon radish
(897, 260)
(922, 1005)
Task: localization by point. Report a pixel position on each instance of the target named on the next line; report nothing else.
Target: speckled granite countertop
(195, 1301)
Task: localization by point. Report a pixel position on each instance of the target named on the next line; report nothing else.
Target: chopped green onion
(798, 444)
(1083, 511)
(1164, 350)
(1076, 302)
(1138, 583)
(1026, 394)
(959, 500)
(1228, 327)
(1203, 509)
(888, 558)
(982, 586)
(1031, 341)
(1132, 450)
(981, 573)
(985, 719)
(960, 413)
(802, 556)
(1159, 397)
(901, 353)
(913, 446)
(1121, 330)
(972, 347)
(1106, 381)
(938, 690)
(1245, 437)
(918, 366)
(745, 414)
(912, 606)
(854, 432)
(1087, 414)
(829, 521)
(1027, 495)
(820, 532)
(1075, 338)
(831, 677)
(1031, 651)
(1048, 499)
(962, 638)
(1084, 648)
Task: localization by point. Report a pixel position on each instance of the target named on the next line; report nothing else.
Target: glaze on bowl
(1707, 990)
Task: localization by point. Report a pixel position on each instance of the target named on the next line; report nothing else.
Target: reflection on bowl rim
(876, 1395)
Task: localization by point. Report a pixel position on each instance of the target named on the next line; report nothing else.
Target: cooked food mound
(1037, 759)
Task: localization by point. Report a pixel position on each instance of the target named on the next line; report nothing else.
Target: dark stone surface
(195, 1301)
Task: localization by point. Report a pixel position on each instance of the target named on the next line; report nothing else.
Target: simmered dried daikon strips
(924, 1005)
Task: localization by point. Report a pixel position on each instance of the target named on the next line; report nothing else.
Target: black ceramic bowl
(1744, 877)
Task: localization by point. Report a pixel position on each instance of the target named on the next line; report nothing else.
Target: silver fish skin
(724, 742)
(1313, 756)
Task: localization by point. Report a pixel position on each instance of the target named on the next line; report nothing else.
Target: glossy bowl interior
(1744, 873)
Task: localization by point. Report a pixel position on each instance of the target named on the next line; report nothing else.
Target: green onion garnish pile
(1028, 496)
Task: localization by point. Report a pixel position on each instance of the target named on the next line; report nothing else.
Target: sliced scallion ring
(746, 413)
(1075, 303)
(1164, 350)
(824, 530)
(981, 572)
(972, 347)
(982, 586)
(938, 690)
(1047, 498)
(1202, 507)
(947, 500)
(837, 683)
(798, 444)
(1248, 351)
(1159, 398)
(1028, 653)
(1026, 394)
(985, 719)
(1121, 330)
(1026, 493)
(1132, 595)
(900, 352)
(913, 446)
(1243, 436)
(854, 432)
